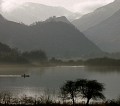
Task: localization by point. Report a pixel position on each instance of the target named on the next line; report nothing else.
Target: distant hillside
(96, 17)
(57, 39)
(10, 56)
(29, 13)
(2, 19)
(9, 29)
(4, 48)
(13, 56)
(106, 34)
(58, 19)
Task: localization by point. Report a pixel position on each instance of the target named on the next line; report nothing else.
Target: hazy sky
(82, 6)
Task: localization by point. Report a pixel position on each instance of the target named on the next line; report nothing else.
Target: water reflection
(52, 78)
(104, 69)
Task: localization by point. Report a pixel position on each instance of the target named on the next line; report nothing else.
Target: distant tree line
(35, 56)
(103, 61)
(14, 56)
(39, 57)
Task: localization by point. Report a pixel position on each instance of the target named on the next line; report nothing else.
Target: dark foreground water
(48, 79)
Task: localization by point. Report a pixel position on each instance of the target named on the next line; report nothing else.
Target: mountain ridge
(57, 39)
(106, 34)
(97, 16)
(58, 19)
(29, 13)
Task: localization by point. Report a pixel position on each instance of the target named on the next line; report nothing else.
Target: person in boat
(24, 75)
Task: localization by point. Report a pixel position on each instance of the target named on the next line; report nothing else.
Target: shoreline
(54, 65)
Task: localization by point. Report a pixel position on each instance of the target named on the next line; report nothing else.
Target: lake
(51, 78)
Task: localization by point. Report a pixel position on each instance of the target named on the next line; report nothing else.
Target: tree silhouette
(69, 91)
(37, 55)
(90, 89)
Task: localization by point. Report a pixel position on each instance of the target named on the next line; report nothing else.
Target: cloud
(76, 5)
(83, 6)
(9, 5)
(0, 2)
(0, 5)
(86, 6)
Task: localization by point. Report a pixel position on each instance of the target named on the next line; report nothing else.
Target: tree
(11, 55)
(69, 91)
(37, 55)
(90, 89)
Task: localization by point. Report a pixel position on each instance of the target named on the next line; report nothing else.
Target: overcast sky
(83, 6)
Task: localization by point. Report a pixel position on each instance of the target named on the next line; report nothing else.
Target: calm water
(53, 77)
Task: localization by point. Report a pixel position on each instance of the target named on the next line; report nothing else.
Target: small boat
(24, 75)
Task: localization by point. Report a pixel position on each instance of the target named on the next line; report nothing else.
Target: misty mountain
(9, 29)
(4, 48)
(58, 19)
(2, 19)
(57, 39)
(106, 34)
(99, 15)
(29, 13)
(10, 56)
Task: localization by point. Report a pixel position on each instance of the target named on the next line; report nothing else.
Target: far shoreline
(56, 65)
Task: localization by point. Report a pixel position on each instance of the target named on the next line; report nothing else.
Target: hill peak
(58, 19)
(2, 18)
